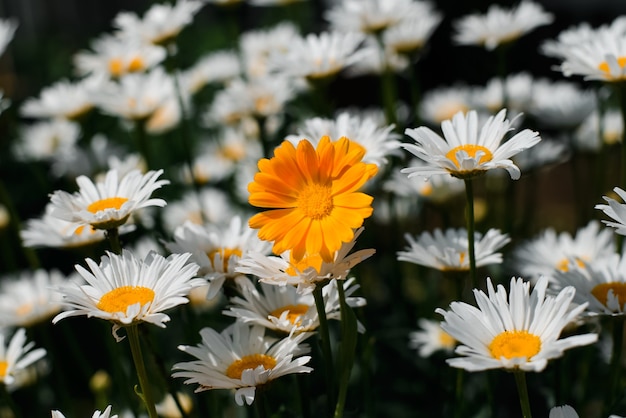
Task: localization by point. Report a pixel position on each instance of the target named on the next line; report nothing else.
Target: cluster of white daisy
(153, 154)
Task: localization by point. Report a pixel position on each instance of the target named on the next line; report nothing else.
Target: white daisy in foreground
(97, 414)
(499, 25)
(515, 332)
(431, 338)
(29, 298)
(16, 355)
(616, 211)
(127, 290)
(241, 357)
(600, 286)
(448, 250)
(306, 273)
(109, 203)
(283, 309)
(466, 151)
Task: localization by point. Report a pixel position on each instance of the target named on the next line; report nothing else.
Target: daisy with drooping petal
(217, 249)
(448, 250)
(312, 196)
(127, 290)
(109, 203)
(431, 338)
(499, 26)
(518, 331)
(466, 151)
(97, 414)
(378, 140)
(600, 285)
(241, 357)
(282, 308)
(551, 251)
(306, 273)
(16, 355)
(616, 211)
(29, 297)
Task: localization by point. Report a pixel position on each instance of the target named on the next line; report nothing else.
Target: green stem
(522, 390)
(142, 375)
(469, 194)
(113, 236)
(142, 142)
(303, 395)
(458, 393)
(388, 87)
(324, 334)
(260, 404)
(616, 361)
(415, 93)
(17, 413)
(346, 319)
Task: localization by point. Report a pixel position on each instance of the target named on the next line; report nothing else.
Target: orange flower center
(512, 344)
(471, 150)
(294, 312)
(136, 64)
(116, 67)
(119, 299)
(316, 201)
(3, 368)
(108, 203)
(226, 253)
(601, 292)
(251, 361)
(604, 66)
(564, 265)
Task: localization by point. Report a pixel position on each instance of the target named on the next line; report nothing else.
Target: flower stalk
(140, 367)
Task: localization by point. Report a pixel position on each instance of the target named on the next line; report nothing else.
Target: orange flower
(312, 195)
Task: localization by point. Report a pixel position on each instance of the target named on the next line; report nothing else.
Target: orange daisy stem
(140, 367)
(324, 335)
(469, 194)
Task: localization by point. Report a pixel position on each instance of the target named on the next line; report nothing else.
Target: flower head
(109, 203)
(616, 211)
(313, 196)
(63, 99)
(241, 357)
(127, 290)
(97, 414)
(518, 331)
(431, 338)
(16, 355)
(465, 150)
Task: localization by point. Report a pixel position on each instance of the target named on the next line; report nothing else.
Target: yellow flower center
(316, 201)
(294, 312)
(116, 67)
(446, 340)
(564, 265)
(233, 152)
(471, 150)
(108, 203)
(448, 110)
(251, 361)
(24, 309)
(136, 64)
(119, 299)
(601, 292)
(226, 253)
(3, 368)
(604, 66)
(295, 266)
(512, 344)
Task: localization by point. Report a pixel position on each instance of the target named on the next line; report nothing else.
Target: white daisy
(544, 154)
(411, 34)
(29, 298)
(372, 16)
(560, 104)
(551, 251)
(318, 57)
(616, 211)
(517, 91)
(306, 273)
(465, 151)
(160, 24)
(215, 67)
(218, 249)
(241, 357)
(97, 414)
(600, 285)
(127, 290)
(108, 204)
(564, 411)
(113, 57)
(137, 96)
(431, 338)
(595, 132)
(378, 140)
(448, 250)
(257, 46)
(211, 205)
(377, 59)
(16, 355)
(7, 30)
(500, 25)
(282, 308)
(63, 99)
(443, 103)
(47, 139)
(518, 331)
